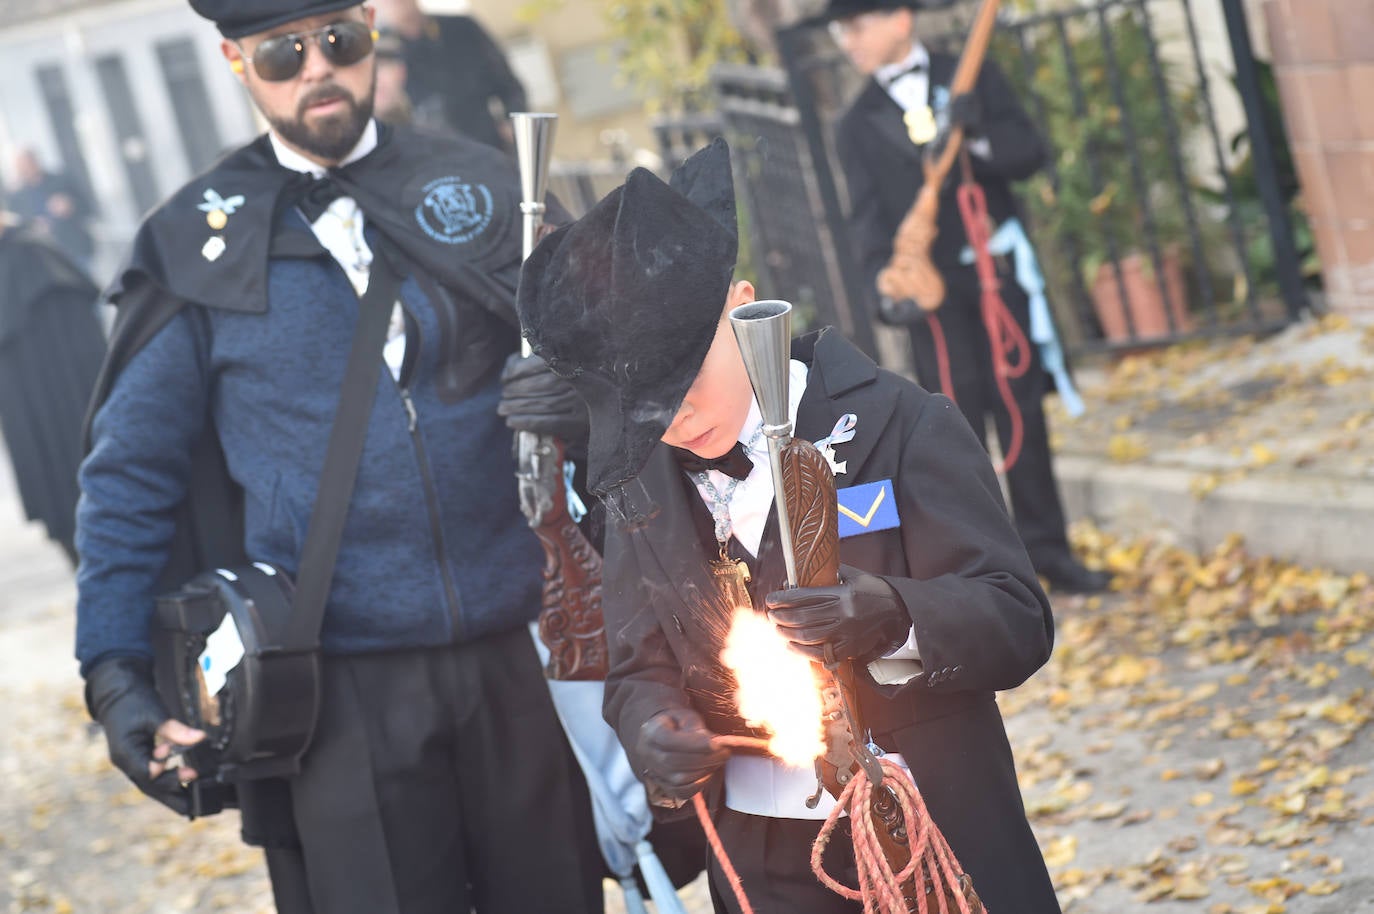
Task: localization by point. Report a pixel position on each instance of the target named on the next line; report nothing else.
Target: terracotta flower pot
(1144, 298)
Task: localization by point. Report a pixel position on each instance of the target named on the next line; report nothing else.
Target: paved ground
(1274, 437)
(1199, 742)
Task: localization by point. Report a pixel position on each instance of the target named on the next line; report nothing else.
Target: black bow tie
(918, 68)
(314, 196)
(734, 462)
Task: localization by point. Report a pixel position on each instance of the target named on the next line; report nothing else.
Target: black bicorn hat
(236, 18)
(625, 301)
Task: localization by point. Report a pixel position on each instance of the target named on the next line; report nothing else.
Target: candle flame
(777, 691)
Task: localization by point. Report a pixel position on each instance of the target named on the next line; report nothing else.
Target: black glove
(900, 312)
(675, 749)
(121, 696)
(965, 111)
(861, 618)
(534, 399)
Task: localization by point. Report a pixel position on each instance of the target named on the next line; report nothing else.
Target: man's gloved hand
(900, 312)
(675, 749)
(861, 618)
(534, 399)
(141, 735)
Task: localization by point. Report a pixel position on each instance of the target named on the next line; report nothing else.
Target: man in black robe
(51, 346)
(457, 77)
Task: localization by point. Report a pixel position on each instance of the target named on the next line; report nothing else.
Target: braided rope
(880, 889)
(713, 838)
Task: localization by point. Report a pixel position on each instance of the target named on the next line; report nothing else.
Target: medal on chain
(732, 576)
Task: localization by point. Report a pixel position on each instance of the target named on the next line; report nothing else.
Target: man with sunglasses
(438, 778)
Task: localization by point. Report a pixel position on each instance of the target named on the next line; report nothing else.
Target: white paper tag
(223, 651)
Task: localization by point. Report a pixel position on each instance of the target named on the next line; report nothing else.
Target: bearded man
(438, 778)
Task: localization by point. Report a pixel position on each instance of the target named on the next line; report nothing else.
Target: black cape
(51, 343)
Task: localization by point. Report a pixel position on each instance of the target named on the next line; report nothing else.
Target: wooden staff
(910, 273)
(570, 622)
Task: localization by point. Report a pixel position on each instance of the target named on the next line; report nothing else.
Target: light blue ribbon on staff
(1010, 238)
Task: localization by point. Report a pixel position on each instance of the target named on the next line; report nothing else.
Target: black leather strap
(346, 436)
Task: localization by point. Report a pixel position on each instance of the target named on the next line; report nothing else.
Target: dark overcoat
(981, 619)
(51, 345)
(883, 172)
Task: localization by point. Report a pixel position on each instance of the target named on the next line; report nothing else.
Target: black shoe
(1066, 574)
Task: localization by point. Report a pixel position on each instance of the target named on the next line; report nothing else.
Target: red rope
(713, 838)
(1006, 339)
(880, 889)
(937, 333)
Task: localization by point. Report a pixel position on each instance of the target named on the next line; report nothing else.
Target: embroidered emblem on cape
(454, 211)
(218, 209)
(866, 508)
(842, 432)
(213, 248)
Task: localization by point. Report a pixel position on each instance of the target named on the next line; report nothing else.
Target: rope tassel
(880, 889)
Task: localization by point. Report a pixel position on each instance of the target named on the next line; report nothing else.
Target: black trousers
(773, 860)
(440, 782)
(1035, 503)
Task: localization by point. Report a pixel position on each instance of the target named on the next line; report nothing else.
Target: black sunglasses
(342, 43)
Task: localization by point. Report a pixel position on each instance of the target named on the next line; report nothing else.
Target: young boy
(630, 303)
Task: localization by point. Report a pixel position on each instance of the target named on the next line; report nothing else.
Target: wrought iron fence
(1151, 225)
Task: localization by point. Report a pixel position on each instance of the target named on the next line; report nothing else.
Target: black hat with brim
(625, 302)
(847, 9)
(236, 18)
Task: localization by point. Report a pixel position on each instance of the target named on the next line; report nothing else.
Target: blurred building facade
(132, 97)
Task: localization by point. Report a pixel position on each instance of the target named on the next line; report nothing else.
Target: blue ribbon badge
(842, 432)
(866, 508)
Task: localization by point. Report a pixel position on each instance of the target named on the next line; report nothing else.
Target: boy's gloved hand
(534, 399)
(141, 735)
(675, 750)
(861, 618)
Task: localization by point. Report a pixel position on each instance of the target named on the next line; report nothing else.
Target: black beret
(236, 18)
(625, 301)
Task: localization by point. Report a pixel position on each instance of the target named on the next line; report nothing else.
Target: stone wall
(1323, 54)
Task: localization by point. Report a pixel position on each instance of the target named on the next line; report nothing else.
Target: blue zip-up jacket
(435, 549)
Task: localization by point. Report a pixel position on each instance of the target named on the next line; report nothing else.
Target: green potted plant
(1095, 206)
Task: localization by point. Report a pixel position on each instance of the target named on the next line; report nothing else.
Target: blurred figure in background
(456, 75)
(51, 346)
(881, 140)
(391, 103)
(53, 205)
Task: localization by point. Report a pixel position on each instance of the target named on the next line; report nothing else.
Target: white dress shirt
(340, 230)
